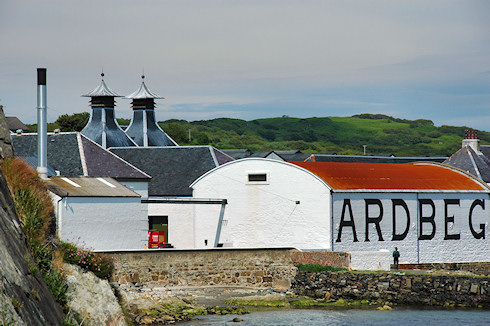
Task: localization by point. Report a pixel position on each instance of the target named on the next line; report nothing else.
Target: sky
(252, 59)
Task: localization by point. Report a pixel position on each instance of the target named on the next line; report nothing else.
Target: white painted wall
(104, 223)
(180, 223)
(413, 250)
(371, 260)
(264, 214)
(139, 187)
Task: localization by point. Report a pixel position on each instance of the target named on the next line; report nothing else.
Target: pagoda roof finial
(143, 92)
(102, 89)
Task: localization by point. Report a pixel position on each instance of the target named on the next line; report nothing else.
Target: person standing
(396, 255)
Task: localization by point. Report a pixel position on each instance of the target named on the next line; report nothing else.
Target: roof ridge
(213, 155)
(119, 158)
(82, 154)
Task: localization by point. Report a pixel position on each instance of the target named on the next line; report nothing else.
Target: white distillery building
(98, 213)
(431, 212)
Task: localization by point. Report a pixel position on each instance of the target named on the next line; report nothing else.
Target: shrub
(100, 265)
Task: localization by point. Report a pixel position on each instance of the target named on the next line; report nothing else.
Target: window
(158, 223)
(257, 177)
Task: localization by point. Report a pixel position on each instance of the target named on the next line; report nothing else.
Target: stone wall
(325, 258)
(482, 268)
(396, 288)
(238, 267)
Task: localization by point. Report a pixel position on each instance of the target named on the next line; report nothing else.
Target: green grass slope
(381, 134)
(342, 135)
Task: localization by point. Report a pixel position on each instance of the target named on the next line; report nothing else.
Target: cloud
(251, 58)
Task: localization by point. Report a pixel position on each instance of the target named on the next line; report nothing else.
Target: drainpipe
(220, 222)
(42, 136)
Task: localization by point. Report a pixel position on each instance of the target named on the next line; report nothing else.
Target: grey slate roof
(298, 157)
(237, 153)
(472, 162)
(13, 123)
(485, 150)
(173, 169)
(63, 151)
(88, 187)
(73, 155)
(32, 161)
(260, 154)
(361, 158)
(101, 162)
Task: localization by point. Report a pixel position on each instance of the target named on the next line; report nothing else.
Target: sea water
(354, 317)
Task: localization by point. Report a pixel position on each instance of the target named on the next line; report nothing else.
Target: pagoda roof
(143, 92)
(102, 90)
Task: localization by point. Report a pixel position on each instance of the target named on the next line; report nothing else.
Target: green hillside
(342, 135)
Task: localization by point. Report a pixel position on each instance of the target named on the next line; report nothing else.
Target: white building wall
(104, 223)
(413, 250)
(139, 187)
(371, 260)
(180, 222)
(291, 209)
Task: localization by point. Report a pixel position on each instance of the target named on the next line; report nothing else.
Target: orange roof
(347, 176)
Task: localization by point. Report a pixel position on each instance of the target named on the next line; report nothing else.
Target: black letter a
(343, 222)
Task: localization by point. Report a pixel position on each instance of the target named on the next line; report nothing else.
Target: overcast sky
(253, 59)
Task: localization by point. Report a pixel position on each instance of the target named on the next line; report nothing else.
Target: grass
(263, 302)
(319, 268)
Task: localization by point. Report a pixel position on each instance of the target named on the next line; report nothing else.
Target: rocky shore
(398, 288)
(163, 305)
(157, 306)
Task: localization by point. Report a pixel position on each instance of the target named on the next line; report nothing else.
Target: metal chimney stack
(42, 132)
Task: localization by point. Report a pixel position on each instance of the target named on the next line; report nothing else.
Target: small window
(257, 177)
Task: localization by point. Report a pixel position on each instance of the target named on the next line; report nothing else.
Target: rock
(474, 288)
(385, 307)
(6, 148)
(92, 299)
(236, 320)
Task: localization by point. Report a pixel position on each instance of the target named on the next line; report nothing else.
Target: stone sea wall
(325, 258)
(480, 268)
(396, 288)
(238, 267)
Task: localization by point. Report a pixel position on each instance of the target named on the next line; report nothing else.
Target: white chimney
(42, 133)
(471, 140)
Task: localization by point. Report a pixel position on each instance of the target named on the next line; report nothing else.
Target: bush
(100, 265)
